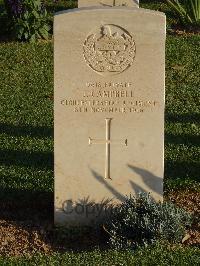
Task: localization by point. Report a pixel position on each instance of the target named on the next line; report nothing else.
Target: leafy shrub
(187, 10)
(29, 19)
(142, 221)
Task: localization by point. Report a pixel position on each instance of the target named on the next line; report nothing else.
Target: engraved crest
(110, 50)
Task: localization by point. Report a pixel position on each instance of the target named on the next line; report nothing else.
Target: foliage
(187, 10)
(141, 221)
(30, 20)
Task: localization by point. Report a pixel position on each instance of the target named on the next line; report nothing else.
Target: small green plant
(142, 221)
(29, 19)
(187, 10)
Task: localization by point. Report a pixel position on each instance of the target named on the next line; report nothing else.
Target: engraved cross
(107, 141)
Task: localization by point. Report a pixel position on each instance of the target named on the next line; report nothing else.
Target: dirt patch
(186, 199)
(190, 201)
(25, 238)
(20, 238)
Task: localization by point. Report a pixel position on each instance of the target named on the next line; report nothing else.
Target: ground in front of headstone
(27, 228)
(36, 233)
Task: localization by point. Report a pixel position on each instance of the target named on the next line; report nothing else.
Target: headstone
(109, 109)
(108, 3)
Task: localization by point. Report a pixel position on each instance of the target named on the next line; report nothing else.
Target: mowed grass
(152, 256)
(26, 123)
(182, 128)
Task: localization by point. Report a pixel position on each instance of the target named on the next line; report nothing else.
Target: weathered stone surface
(109, 109)
(108, 3)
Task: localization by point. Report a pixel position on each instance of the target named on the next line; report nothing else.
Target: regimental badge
(109, 50)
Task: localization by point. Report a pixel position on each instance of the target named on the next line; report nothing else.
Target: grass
(155, 256)
(26, 139)
(182, 112)
(26, 75)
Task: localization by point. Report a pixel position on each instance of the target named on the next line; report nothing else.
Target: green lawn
(26, 139)
(26, 75)
(182, 128)
(154, 256)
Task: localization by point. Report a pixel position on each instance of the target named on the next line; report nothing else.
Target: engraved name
(108, 94)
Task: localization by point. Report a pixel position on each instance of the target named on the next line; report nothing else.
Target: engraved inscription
(109, 50)
(108, 97)
(107, 141)
(114, 85)
(109, 106)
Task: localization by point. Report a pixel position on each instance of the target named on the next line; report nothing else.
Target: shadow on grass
(26, 130)
(186, 139)
(26, 205)
(182, 118)
(38, 160)
(182, 170)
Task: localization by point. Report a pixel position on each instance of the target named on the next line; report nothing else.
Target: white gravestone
(109, 109)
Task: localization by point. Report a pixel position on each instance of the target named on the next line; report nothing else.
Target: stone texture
(109, 109)
(108, 3)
